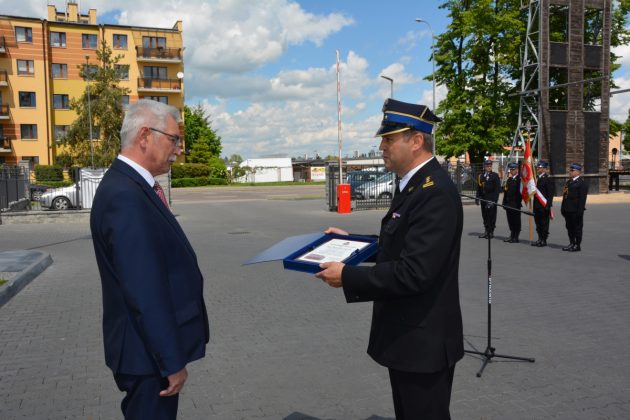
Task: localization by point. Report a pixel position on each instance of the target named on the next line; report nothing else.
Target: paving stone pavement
(286, 346)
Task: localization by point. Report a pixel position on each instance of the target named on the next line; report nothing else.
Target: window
(61, 102)
(90, 72)
(593, 26)
(124, 101)
(152, 72)
(122, 71)
(163, 99)
(120, 42)
(592, 91)
(88, 41)
(23, 34)
(558, 23)
(60, 131)
(58, 39)
(153, 42)
(28, 131)
(59, 71)
(27, 99)
(558, 96)
(25, 67)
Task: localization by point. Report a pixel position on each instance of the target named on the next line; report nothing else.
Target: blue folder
(293, 247)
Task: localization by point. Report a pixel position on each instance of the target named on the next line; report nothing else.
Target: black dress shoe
(515, 240)
(576, 248)
(509, 240)
(568, 247)
(483, 236)
(537, 243)
(542, 243)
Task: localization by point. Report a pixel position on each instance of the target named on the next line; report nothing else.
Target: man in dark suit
(573, 206)
(512, 198)
(488, 188)
(154, 314)
(416, 322)
(542, 211)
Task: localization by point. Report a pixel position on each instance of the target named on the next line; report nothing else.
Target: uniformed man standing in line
(573, 206)
(542, 213)
(488, 188)
(512, 198)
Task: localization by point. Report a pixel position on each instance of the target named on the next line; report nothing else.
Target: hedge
(48, 173)
(190, 170)
(197, 182)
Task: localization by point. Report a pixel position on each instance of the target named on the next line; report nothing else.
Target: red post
(343, 198)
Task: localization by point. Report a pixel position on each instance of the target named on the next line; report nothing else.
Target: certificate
(333, 250)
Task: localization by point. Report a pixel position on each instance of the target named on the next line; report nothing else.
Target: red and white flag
(528, 185)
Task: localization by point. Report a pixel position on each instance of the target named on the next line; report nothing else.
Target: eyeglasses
(177, 141)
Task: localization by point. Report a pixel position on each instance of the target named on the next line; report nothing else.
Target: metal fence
(372, 186)
(14, 182)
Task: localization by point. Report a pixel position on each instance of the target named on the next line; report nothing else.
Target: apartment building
(39, 74)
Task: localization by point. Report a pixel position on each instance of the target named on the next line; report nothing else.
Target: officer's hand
(331, 273)
(175, 383)
(336, 231)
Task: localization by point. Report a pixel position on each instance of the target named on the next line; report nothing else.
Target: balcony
(159, 54)
(4, 79)
(146, 84)
(3, 48)
(5, 145)
(4, 112)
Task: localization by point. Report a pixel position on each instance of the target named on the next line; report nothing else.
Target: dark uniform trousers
(541, 218)
(420, 396)
(512, 198)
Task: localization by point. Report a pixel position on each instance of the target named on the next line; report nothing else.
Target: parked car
(357, 178)
(59, 198)
(37, 191)
(382, 188)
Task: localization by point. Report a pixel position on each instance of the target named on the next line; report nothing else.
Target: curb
(41, 260)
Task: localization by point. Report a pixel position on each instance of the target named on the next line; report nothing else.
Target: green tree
(197, 129)
(106, 110)
(626, 133)
(478, 60)
(199, 153)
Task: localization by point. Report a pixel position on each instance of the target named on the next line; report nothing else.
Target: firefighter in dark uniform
(573, 206)
(488, 188)
(512, 198)
(542, 213)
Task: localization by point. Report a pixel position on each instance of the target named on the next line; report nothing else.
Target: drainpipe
(46, 76)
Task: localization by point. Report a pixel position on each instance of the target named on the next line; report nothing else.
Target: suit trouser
(143, 399)
(514, 221)
(489, 216)
(541, 218)
(574, 222)
(420, 396)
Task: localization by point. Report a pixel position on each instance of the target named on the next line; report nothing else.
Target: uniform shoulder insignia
(427, 182)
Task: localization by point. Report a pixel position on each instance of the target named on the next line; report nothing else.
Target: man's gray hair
(428, 139)
(145, 113)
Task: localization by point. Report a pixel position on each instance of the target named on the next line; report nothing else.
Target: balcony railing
(4, 79)
(4, 111)
(147, 83)
(5, 144)
(159, 53)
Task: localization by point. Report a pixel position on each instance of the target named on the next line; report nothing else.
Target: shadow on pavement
(302, 416)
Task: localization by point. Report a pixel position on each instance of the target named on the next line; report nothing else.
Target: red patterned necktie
(160, 192)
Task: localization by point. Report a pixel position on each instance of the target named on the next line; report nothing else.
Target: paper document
(333, 250)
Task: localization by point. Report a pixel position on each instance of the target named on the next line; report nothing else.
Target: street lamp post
(433, 63)
(391, 85)
(87, 74)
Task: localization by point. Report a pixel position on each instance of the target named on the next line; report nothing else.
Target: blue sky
(265, 70)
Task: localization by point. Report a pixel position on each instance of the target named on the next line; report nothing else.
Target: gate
(13, 184)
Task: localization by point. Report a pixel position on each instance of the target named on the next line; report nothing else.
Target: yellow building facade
(39, 74)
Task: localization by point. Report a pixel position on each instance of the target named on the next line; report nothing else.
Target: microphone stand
(489, 353)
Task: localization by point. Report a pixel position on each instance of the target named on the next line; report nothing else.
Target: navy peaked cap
(576, 166)
(512, 165)
(487, 162)
(542, 164)
(402, 116)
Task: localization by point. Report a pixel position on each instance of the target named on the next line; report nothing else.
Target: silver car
(382, 188)
(59, 198)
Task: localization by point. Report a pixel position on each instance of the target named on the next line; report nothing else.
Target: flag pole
(529, 200)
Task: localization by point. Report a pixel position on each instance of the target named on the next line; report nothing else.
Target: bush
(196, 182)
(56, 184)
(190, 170)
(48, 173)
(64, 160)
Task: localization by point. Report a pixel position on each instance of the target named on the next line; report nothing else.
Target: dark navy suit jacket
(154, 314)
(416, 320)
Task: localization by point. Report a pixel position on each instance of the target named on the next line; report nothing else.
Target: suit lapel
(414, 183)
(155, 200)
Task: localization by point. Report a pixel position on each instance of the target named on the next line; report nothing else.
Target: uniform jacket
(574, 196)
(416, 320)
(512, 192)
(547, 188)
(488, 186)
(154, 315)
